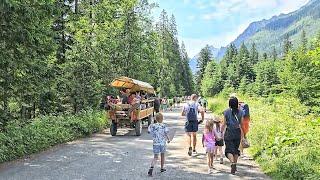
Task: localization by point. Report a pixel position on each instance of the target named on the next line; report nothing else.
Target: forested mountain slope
(270, 33)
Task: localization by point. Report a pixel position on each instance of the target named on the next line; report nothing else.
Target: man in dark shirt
(157, 104)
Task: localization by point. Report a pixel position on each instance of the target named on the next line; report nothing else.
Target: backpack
(245, 109)
(192, 114)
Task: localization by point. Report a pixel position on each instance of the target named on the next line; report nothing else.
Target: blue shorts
(191, 126)
(157, 149)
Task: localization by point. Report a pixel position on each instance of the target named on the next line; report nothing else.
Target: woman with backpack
(232, 131)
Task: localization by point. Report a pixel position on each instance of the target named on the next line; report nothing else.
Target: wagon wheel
(138, 127)
(113, 129)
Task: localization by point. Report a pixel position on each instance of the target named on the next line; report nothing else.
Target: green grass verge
(285, 139)
(18, 140)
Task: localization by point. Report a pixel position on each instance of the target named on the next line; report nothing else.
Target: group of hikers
(134, 99)
(229, 131)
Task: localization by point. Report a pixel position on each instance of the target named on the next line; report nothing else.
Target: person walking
(232, 132)
(219, 139)
(245, 124)
(157, 104)
(208, 142)
(190, 111)
(159, 132)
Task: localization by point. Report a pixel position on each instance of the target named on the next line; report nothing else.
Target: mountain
(193, 61)
(270, 33)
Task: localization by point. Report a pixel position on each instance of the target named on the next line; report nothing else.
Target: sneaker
(221, 160)
(209, 171)
(163, 170)
(194, 151)
(150, 171)
(190, 151)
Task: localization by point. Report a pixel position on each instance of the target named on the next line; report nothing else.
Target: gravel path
(124, 156)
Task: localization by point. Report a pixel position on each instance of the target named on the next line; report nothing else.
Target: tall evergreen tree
(274, 53)
(254, 55)
(204, 58)
(303, 41)
(287, 45)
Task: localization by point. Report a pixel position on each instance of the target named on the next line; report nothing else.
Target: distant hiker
(245, 125)
(208, 142)
(164, 104)
(204, 103)
(219, 139)
(171, 103)
(190, 110)
(232, 131)
(159, 132)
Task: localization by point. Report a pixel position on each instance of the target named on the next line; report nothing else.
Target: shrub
(285, 139)
(18, 139)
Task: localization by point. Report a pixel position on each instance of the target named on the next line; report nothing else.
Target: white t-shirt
(187, 106)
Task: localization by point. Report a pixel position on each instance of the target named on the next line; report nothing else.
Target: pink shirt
(209, 139)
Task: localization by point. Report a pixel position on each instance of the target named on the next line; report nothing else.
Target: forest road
(125, 156)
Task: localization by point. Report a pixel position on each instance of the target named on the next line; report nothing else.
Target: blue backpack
(192, 114)
(245, 109)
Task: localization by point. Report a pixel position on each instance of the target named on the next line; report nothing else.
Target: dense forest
(295, 72)
(58, 56)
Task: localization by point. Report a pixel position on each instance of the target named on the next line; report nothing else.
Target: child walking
(159, 132)
(219, 139)
(208, 142)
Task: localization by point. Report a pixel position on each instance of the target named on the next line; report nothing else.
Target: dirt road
(125, 156)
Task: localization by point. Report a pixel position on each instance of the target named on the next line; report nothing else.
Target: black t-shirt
(156, 105)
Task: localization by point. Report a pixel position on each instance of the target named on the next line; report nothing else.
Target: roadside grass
(284, 136)
(20, 139)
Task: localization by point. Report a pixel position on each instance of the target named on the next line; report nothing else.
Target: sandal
(150, 171)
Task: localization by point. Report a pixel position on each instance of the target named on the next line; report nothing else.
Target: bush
(285, 139)
(18, 139)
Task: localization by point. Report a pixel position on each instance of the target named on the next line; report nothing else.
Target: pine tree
(274, 53)
(287, 45)
(265, 56)
(204, 58)
(254, 55)
(304, 41)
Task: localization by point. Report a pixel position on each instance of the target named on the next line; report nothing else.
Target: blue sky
(218, 22)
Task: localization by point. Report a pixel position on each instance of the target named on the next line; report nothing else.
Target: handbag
(245, 143)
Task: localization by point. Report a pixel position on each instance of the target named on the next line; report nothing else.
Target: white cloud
(289, 5)
(215, 15)
(194, 45)
(223, 8)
